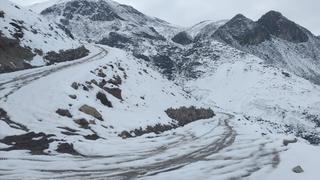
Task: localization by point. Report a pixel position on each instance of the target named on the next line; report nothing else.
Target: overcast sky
(190, 12)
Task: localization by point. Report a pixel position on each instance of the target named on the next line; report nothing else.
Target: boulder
(66, 148)
(104, 100)
(82, 122)
(91, 111)
(73, 96)
(286, 142)
(298, 169)
(116, 92)
(75, 85)
(64, 112)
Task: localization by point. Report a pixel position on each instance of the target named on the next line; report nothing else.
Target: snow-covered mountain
(86, 18)
(152, 100)
(26, 38)
(277, 40)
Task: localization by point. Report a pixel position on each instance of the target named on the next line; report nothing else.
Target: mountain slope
(107, 15)
(158, 101)
(26, 38)
(277, 40)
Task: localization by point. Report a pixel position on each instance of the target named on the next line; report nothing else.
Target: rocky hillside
(277, 40)
(26, 38)
(107, 15)
(228, 96)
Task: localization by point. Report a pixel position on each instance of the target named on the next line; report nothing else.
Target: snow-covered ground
(257, 107)
(224, 147)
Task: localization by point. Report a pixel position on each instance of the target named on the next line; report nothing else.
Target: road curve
(24, 79)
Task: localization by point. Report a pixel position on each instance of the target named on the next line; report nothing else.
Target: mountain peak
(278, 25)
(273, 15)
(239, 16)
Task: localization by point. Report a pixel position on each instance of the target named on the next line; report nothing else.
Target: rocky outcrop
(247, 32)
(298, 169)
(36, 143)
(91, 111)
(64, 113)
(96, 11)
(13, 55)
(116, 40)
(182, 38)
(66, 148)
(276, 24)
(2, 13)
(287, 142)
(66, 55)
(103, 99)
(116, 92)
(186, 115)
(277, 40)
(83, 123)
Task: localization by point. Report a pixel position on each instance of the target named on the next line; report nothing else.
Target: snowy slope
(205, 28)
(78, 117)
(197, 149)
(30, 36)
(141, 89)
(284, 102)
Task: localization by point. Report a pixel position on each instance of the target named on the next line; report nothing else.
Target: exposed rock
(101, 74)
(92, 122)
(66, 55)
(157, 129)
(270, 38)
(13, 56)
(67, 148)
(92, 137)
(165, 63)
(18, 27)
(34, 142)
(116, 92)
(285, 74)
(287, 142)
(2, 14)
(154, 36)
(91, 111)
(73, 96)
(116, 40)
(93, 81)
(125, 135)
(75, 85)
(38, 51)
(66, 30)
(82, 122)
(95, 11)
(298, 169)
(64, 112)
(186, 115)
(5, 117)
(116, 80)
(85, 88)
(182, 38)
(103, 99)
(141, 56)
(276, 24)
